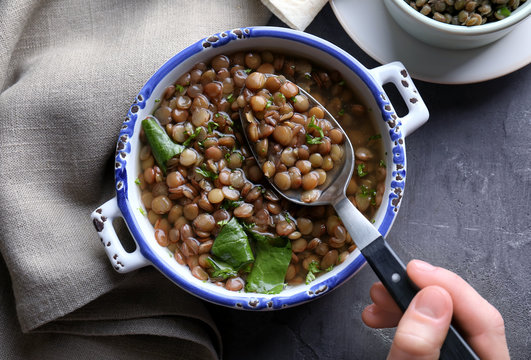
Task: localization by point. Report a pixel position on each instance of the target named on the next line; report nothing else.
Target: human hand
(423, 327)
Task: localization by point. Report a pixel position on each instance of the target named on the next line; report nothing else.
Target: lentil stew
(207, 197)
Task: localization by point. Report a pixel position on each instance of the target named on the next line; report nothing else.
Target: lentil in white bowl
(448, 35)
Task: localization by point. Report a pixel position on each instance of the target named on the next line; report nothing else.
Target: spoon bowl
(337, 178)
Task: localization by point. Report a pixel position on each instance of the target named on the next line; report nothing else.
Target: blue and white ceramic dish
(127, 202)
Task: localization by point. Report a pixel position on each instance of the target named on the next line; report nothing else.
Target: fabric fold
(69, 71)
(297, 14)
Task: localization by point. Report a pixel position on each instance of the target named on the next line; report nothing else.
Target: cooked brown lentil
(466, 12)
(186, 206)
(289, 132)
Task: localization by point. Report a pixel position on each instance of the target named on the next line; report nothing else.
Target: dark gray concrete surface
(466, 207)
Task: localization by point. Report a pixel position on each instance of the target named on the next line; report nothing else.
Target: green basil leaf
(232, 245)
(162, 146)
(273, 255)
(221, 269)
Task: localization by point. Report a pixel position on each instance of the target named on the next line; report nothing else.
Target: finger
(423, 328)
(376, 317)
(380, 296)
(480, 322)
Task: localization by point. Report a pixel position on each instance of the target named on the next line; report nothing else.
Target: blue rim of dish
(259, 301)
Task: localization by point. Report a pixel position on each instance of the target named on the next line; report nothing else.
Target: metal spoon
(383, 260)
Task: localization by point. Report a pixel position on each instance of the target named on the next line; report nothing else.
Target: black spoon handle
(392, 273)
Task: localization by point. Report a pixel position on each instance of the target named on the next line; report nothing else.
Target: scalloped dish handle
(121, 260)
(397, 74)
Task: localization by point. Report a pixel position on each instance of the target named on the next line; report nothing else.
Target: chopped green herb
(313, 268)
(375, 137)
(503, 12)
(206, 173)
(341, 112)
(341, 83)
(287, 218)
(230, 98)
(247, 226)
(330, 268)
(157, 100)
(294, 99)
(281, 96)
(212, 125)
(373, 221)
(312, 125)
(137, 181)
(313, 141)
(201, 143)
(269, 103)
(230, 204)
(179, 88)
(292, 67)
(222, 222)
(142, 211)
(247, 71)
(308, 76)
(365, 191)
(361, 170)
(227, 156)
(188, 141)
(382, 164)
(217, 115)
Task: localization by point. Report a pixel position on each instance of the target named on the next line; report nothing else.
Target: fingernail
(424, 266)
(432, 303)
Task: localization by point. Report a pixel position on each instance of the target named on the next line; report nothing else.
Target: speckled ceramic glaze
(127, 203)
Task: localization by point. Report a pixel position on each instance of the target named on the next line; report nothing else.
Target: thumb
(423, 327)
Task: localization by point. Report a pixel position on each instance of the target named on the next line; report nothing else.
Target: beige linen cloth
(297, 14)
(69, 70)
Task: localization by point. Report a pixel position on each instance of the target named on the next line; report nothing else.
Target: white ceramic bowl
(450, 36)
(127, 202)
